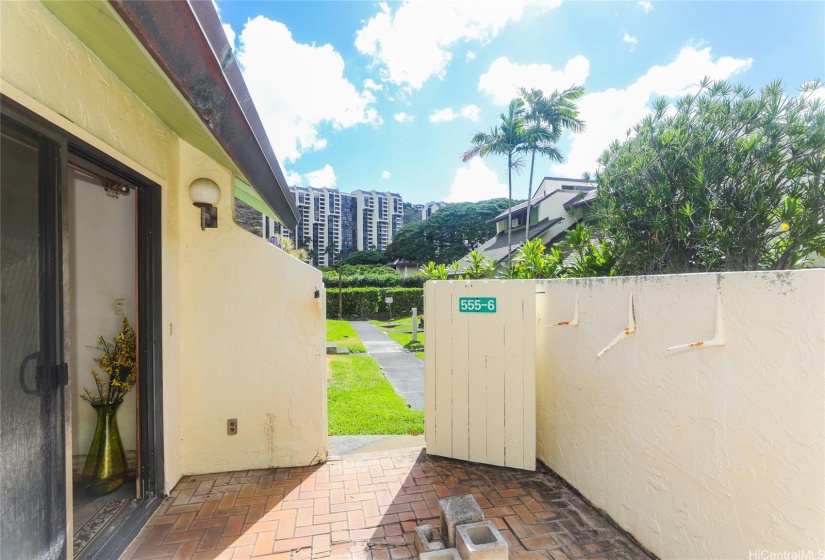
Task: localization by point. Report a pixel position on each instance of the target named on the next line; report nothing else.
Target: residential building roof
(188, 45)
(523, 206)
(496, 248)
(579, 201)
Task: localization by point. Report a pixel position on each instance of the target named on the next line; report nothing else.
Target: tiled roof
(581, 200)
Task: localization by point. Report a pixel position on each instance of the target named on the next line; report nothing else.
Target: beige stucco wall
(705, 453)
(243, 334)
(254, 349)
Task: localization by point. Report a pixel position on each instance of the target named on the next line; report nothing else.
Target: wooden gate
(480, 381)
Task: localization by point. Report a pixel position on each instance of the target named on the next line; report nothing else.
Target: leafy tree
(369, 256)
(726, 179)
(413, 242)
(506, 139)
(546, 119)
(447, 235)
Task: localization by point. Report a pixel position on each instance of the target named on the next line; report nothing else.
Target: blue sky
(386, 96)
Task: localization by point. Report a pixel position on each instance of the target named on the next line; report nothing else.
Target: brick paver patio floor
(366, 506)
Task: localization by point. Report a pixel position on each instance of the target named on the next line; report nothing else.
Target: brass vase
(105, 468)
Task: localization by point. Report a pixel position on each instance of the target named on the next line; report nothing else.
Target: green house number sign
(477, 305)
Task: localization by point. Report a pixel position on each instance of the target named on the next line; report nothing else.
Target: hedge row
(363, 302)
(374, 281)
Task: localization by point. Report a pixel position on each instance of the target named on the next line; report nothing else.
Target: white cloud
(413, 43)
(385, 175)
(631, 40)
(403, 117)
(370, 84)
(443, 115)
(503, 77)
(324, 177)
(475, 181)
(646, 6)
(293, 179)
(469, 112)
(609, 114)
(471, 56)
(293, 109)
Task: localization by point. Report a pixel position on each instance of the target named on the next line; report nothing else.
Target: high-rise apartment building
(333, 223)
(380, 216)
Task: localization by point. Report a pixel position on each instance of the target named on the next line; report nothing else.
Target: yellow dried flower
(118, 361)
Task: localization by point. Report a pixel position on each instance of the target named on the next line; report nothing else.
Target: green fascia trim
(243, 191)
(102, 31)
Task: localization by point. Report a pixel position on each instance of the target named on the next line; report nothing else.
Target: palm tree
(546, 118)
(505, 139)
(288, 246)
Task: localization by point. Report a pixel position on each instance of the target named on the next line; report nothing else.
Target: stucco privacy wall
(705, 453)
(252, 340)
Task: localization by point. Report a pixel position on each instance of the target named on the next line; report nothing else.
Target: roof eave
(187, 41)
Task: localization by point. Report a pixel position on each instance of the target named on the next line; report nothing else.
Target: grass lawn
(362, 401)
(343, 335)
(402, 338)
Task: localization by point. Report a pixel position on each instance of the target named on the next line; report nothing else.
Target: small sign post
(388, 301)
(477, 305)
(414, 325)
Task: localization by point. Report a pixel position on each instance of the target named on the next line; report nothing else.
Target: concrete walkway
(404, 371)
(348, 445)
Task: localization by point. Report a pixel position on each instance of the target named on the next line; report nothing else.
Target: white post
(414, 325)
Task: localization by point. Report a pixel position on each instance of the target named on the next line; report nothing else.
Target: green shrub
(353, 269)
(356, 302)
(374, 280)
(404, 299)
(364, 302)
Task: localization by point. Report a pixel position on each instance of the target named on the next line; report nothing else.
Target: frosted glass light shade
(204, 192)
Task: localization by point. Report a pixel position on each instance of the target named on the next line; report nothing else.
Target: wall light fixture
(205, 194)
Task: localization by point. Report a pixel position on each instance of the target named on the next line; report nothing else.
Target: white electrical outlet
(120, 307)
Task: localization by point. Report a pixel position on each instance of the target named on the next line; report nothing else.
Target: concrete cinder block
(424, 539)
(446, 554)
(457, 510)
(481, 541)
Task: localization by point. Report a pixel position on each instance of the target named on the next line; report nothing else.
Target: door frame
(149, 327)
